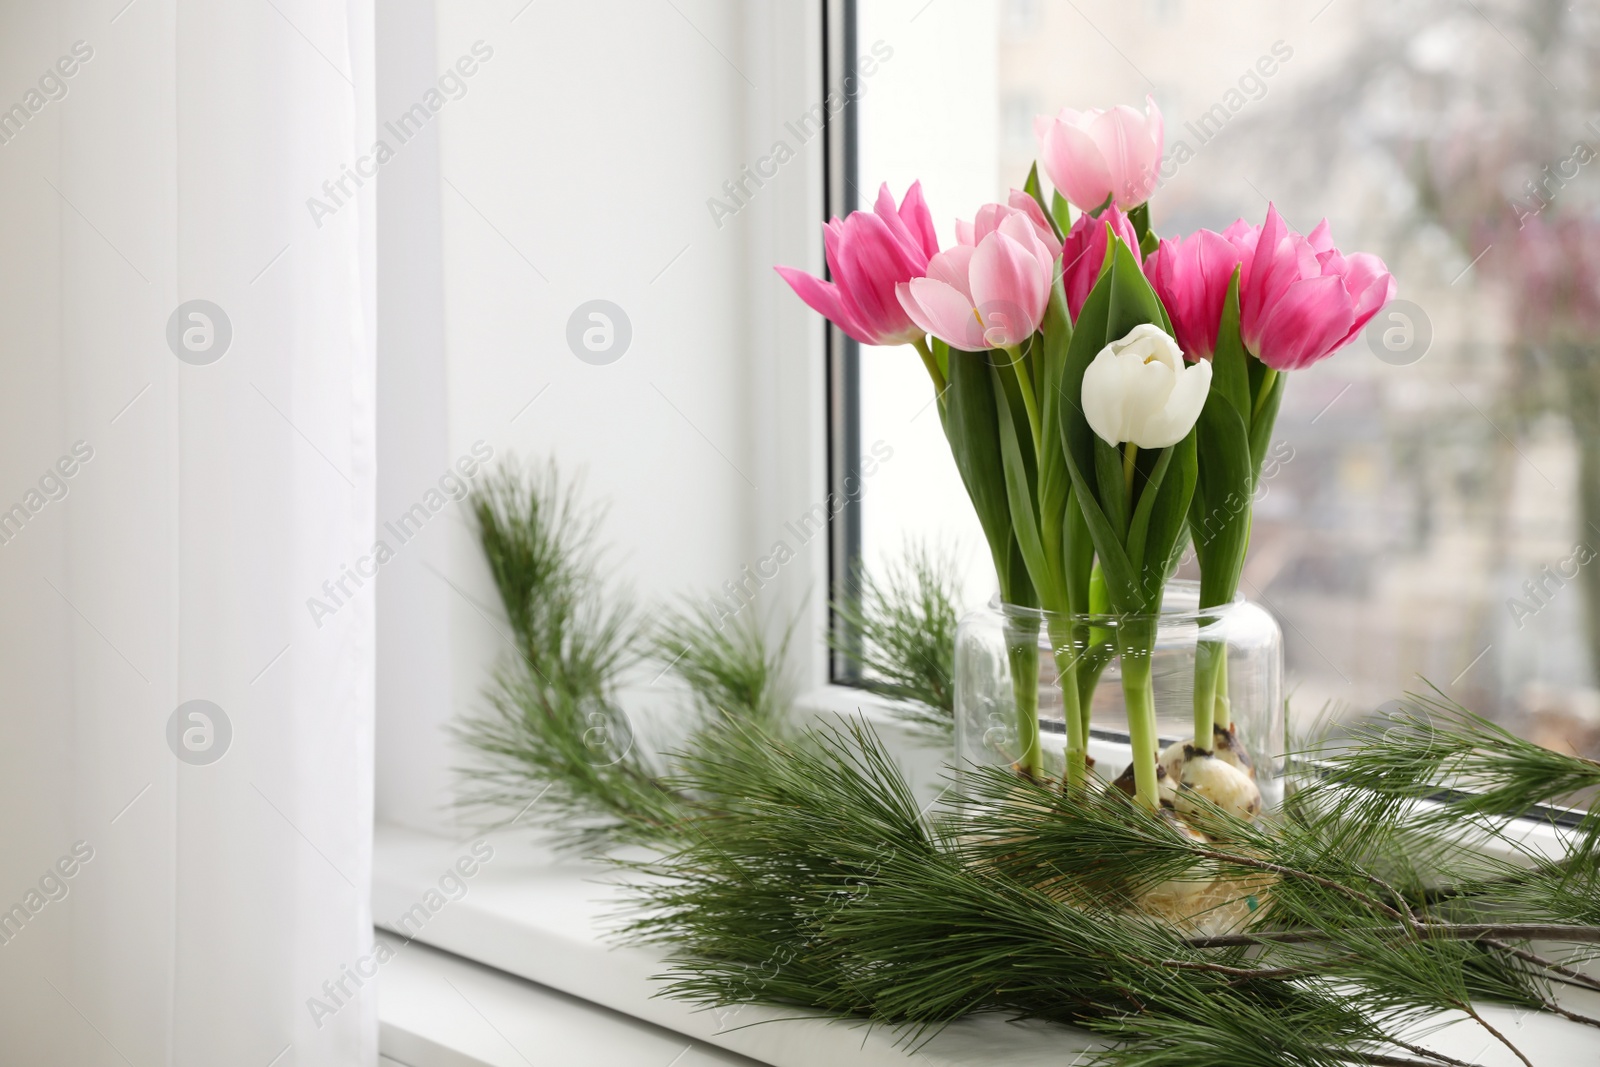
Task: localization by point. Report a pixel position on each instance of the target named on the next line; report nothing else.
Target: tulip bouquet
(1108, 397)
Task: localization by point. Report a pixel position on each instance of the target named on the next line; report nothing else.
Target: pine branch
(815, 880)
(799, 868)
(552, 741)
(1432, 746)
(730, 669)
(1445, 931)
(900, 629)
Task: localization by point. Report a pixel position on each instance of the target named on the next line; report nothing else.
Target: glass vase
(1151, 681)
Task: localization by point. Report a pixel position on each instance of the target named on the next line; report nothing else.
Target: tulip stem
(1066, 651)
(1025, 387)
(1130, 454)
(1211, 659)
(1022, 652)
(1266, 390)
(932, 364)
(1135, 644)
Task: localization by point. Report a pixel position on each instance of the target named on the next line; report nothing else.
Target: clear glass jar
(1153, 665)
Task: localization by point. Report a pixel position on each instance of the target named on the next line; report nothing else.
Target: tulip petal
(1370, 285)
(1021, 201)
(1102, 397)
(1306, 325)
(953, 266)
(943, 311)
(1149, 383)
(823, 298)
(1009, 288)
(1321, 238)
(1282, 258)
(1073, 162)
(985, 221)
(1021, 229)
(1155, 128)
(907, 244)
(867, 257)
(919, 220)
(1130, 157)
(1178, 415)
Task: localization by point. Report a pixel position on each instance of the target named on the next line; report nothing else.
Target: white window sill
(443, 1011)
(546, 919)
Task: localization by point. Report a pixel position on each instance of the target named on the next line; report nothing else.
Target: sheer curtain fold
(195, 344)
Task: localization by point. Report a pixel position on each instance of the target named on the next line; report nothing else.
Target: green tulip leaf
(1112, 485)
(1140, 219)
(1055, 484)
(1133, 300)
(1230, 375)
(1219, 517)
(1033, 189)
(1077, 550)
(1168, 518)
(1263, 419)
(971, 425)
(1139, 525)
(1017, 460)
(1120, 580)
(1061, 211)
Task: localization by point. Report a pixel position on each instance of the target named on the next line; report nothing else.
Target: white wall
(577, 166)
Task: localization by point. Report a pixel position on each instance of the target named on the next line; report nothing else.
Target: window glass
(1431, 509)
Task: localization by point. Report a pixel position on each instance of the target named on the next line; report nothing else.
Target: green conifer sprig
(818, 882)
(899, 628)
(798, 868)
(551, 742)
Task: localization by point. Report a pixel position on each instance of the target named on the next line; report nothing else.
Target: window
(1432, 510)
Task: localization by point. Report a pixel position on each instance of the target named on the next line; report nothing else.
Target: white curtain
(164, 522)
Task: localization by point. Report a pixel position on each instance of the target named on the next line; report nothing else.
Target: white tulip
(1138, 389)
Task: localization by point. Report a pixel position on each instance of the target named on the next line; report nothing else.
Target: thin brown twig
(1575, 976)
(1399, 897)
(1449, 931)
(1497, 1035)
(1237, 972)
(1378, 1059)
(1428, 1052)
(1290, 872)
(1557, 1009)
(1454, 892)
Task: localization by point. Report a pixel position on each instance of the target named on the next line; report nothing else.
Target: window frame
(842, 356)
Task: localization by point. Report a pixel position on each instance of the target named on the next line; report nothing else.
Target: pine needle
(728, 665)
(900, 630)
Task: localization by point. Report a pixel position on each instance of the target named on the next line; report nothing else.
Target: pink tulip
(990, 290)
(1191, 276)
(1301, 299)
(869, 254)
(1084, 253)
(990, 216)
(1092, 155)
